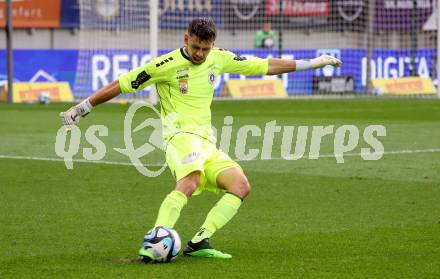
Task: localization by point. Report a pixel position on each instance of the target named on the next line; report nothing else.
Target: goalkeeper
(185, 80)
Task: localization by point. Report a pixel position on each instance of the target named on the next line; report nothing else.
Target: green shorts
(186, 153)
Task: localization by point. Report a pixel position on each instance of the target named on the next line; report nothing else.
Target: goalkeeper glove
(319, 62)
(72, 116)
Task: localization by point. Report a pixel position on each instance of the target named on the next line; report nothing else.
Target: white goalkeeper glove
(72, 116)
(319, 62)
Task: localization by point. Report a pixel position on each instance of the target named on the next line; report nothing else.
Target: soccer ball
(163, 242)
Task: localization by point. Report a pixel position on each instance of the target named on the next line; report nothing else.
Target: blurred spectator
(265, 38)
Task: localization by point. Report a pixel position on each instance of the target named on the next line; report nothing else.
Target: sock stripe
(232, 200)
(180, 196)
(234, 195)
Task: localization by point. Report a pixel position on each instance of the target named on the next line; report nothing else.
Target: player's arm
(132, 81)
(105, 94)
(255, 66)
(281, 66)
(72, 116)
(235, 64)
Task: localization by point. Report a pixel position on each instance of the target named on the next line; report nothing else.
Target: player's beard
(197, 62)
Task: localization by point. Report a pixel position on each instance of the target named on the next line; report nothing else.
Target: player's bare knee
(188, 184)
(241, 188)
(245, 188)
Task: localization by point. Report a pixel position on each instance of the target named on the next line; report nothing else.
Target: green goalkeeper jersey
(186, 90)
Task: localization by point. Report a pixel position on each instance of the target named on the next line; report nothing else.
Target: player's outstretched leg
(170, 208)
(169, 211)
(235, 182)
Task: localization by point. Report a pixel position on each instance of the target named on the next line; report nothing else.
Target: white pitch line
(393, 152)
(103, 162)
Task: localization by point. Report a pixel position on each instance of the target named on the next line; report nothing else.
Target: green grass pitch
(303, 219)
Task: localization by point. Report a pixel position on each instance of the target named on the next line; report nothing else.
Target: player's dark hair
(203, 28)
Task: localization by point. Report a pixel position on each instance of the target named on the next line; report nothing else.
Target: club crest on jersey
(211, 78)
(183, 86)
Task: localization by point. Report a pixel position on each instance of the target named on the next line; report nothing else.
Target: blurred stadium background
(88, 43)
(304, 218)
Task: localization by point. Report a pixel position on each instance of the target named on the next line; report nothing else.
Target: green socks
(219, 215)
(170, 209)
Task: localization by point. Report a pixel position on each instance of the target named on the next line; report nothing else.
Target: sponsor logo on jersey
(183, 71)
(183, 77)
(183, 86)
(141, 78)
